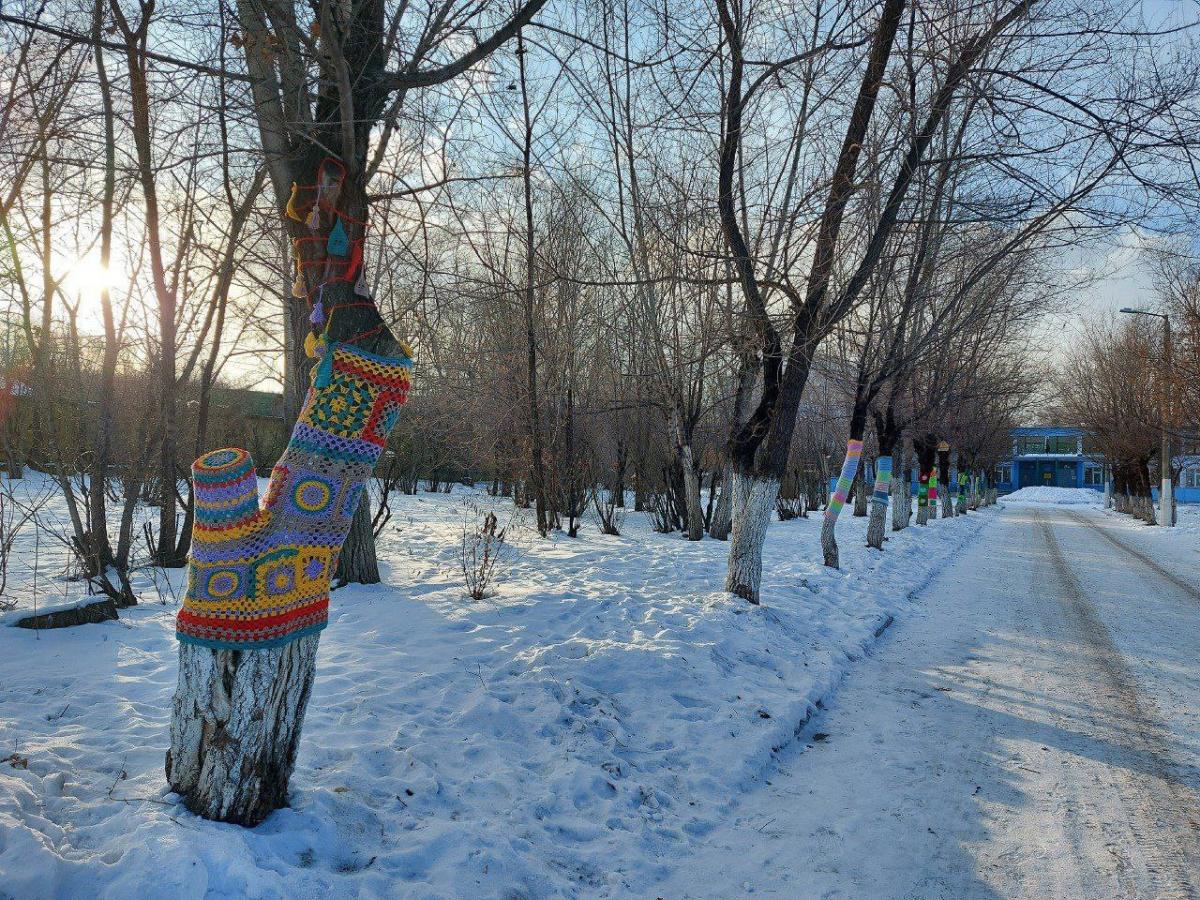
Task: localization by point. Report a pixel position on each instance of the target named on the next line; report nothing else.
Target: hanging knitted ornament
(314, 218)
(339, 241)
(317, 316)
(299, 289)
(360, 285)
(310, 345)
(291, 211)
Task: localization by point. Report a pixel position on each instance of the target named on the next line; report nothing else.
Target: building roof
(258, 404)
(1049, 430)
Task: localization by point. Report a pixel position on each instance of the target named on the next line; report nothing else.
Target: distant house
(250, 419)
(1188, 488)
(1049, 455)
(1057, 456)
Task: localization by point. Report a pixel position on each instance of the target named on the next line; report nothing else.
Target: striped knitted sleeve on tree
(845, 478)
(259, 577)
(883, 478)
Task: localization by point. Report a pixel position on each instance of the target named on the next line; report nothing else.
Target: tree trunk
(829, 547)
(238, 712)
(879, 501)
(536, 469)
(861, 494)
(235, 727)
(902, 492)
(722, 517)
(357, 563)
(944, 486)
(691, 488)
(753, 502)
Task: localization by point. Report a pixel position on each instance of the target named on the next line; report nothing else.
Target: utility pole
(1166, 492)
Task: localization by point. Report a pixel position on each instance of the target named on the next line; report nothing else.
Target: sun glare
(84, 283)
(87, 278)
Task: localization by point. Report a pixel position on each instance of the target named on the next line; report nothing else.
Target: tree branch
(395, 81)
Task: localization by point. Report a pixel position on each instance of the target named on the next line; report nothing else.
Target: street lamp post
(1166, 493)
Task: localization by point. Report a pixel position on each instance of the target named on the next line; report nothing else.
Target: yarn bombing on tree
(259, 576)
(842, 489)
(883, 478)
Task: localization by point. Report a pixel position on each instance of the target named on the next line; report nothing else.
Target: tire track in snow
(1189, 589)
(1160, 804)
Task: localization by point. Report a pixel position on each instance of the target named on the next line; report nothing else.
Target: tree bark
(235, 728)
(945, 487)
(537, 470)
(879, 500)
(357, 563)
(694, 527)
(722, 517)
(861, 494)
(753, 504)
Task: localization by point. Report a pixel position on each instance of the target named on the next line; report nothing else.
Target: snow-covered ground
(1057, 495)
(1031, 728)
(582, 732)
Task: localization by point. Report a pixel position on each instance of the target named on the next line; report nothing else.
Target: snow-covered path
(1030, 728)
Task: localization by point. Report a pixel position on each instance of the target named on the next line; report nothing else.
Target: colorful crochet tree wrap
(259, 576)
(933, 487)
(883, 479)
(842, 488)
(923, 490)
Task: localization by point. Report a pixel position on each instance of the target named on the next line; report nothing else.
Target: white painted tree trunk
(829, 546)
(722, 518)
(901, 501)
(753, 505)
(236, 727)
(1108, 493)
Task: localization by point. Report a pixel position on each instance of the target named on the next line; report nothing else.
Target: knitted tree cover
(845, 479)
(259, 576)
(883, 477)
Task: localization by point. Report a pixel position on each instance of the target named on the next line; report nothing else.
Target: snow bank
(575, 734)
(13, 616)
(1056, 495)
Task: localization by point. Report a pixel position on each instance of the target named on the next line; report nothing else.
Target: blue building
(1049, 456)
(1055, 456)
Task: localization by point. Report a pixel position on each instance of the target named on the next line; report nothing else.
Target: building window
(1031, 444)
(1006, 474)
(1062, 443)
(1190, 477)
(1093, 475)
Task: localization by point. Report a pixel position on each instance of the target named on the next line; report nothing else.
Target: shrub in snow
(610, 514)
(481, 548)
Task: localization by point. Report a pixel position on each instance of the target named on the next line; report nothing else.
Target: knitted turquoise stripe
(220, 476)
(249, 645)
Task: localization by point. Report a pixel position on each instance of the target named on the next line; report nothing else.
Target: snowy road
(1031, 728)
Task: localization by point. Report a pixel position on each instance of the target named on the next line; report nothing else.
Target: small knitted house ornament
(339, 242)
(259, 576)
